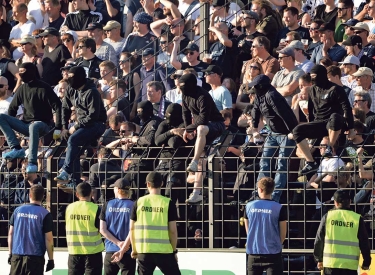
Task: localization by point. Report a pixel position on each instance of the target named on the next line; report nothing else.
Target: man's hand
(50, 265)
(134, 255)
(64, 29)
(72, 130)
(178, 132)
(177, 39)
(175, 256)
(56, 134)
(320, 265)
(134, 139)
(326, 45)
(10, 259)
(256, 134)
(120, 244)
(360, 151)
(117, 256)
(185, 136)
(64, 134)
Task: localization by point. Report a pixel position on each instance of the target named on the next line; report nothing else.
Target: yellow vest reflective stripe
(341, 244)
(151, 227)
(82, 237)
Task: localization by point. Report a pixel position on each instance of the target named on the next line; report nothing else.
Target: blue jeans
(33, 130)
(272, 144)
(81, 137)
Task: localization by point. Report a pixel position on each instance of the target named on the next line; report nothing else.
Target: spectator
(55, 56)
(111, 134)
(89, 126)
(5, 98)
(105, 168)
(23, 187)
(349, 31)
(351, 65)
(304, 18)
(62, 87)
(344, 13)
(189, 9)
(300, 100)
(5, 29)
(176, 28)
(291, 21)
(223, 11)
(334, 75)
(111, 11)
(364, 84)
(130, 9)
(371, 13)
(24, 27)
(208, 123)
(107, 73)
(175, 95)
(87, 58)
(79, 20)
(166, 45)
(328, 48)
(325, 62)
(113, 32)
(248, 21)
(362, 30)
(55, 20)
(327, 12)
(301, 62)
(132, 81)
(64, 73)
(154, 95)
(39, 42)
(69, 39)
(353, 47)
(260, 51)
(326, 115)
(221, 96)
(363, 101)
(36, 121)
(286, 81)
(223, 50)
(314, 35)
(104, 51)
(117, 99)
(29, 51)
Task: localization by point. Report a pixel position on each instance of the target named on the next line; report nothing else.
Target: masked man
(281, 120)
(39, 101)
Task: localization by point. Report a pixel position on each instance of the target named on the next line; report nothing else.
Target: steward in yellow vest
(84, 241)
(340, 239)
(153, 231)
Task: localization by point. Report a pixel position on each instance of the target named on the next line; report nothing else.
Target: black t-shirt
(283, 216)
(136, 42)
(116, 5)
(327, 17)
(133, 6)
(5, 29)
(57, 23)
(224, 57)
(172, 212)
(79, 20)
(52, 62)
(123, 106)
(47, 221)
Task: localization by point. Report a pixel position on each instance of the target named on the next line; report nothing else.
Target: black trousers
(338, 271)
(26, 265)
(126, 265)
(272, 264)
(85, 264)
(165, 262)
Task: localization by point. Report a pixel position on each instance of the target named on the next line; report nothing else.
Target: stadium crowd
(126, 88)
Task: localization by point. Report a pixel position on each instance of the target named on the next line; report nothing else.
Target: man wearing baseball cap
(364, 78)
(353, 46)
(301, 61)
(329, 48)
(248, 20)
(341, 238)
(362, 30)
(113, 31)
(349, 31)
(350, 66)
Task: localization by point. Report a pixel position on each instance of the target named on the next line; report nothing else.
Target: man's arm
(186, 114)
(174, 10)
(132, 236)
(49, 244)
(283, 110)
(129, 24)
(319, 240)
(255, 113)
(174, 55)
(344, 102)
(222, 37)
(364, 244)
(288, 89)
(282, 226)
(104, 231)
(112, 12)
(13, 69)
(157, 25)
(10, 238)
(172, 231)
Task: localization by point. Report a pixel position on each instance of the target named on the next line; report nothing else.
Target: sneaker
(308, 168)
(67, 187)
(194, 198)
(63, 176)
(193, 167)
(15, 154)
(328, 152)
(31, 168)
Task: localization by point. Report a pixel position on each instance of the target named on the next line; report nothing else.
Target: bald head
(3, 80)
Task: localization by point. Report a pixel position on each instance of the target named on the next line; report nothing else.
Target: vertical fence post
(204, 24)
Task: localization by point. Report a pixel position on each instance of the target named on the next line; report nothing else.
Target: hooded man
(281, 120)
(208, 122)
(329, 113)
(39, 101)
(90, 123)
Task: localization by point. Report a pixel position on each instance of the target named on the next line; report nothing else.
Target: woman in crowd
(69, 40)
(29, 51)
(131, 79)
(39, 42)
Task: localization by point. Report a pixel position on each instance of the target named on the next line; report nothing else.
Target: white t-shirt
(18, 32)
(233, 10)
(4, 106)
(193, 13)
(34, 10)
(174, 96)
(222, 98)
(116, 45)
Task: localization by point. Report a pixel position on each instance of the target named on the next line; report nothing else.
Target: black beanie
(173, 114)
(188, 84)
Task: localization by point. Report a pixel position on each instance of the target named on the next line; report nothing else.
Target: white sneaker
(194, 198)
(193, 167)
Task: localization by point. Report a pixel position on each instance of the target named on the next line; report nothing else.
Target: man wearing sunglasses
(364, 78)
(362, 30)
(315, 36)
(344, 13)
(113, 31)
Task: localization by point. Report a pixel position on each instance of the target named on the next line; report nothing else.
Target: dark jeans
(30, 265)
(272, 264)
(126, 265)
(338, 271)
(85, 264)
(165, 262)
(81, 137)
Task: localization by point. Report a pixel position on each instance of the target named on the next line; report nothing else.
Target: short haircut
(263, 41)
(306, 78)
(347, 3)
(37, 192)
(168, 35)
(126, 191)
(54, 3)
(88, 43)
(359, 126)
(154, 179)
(292, 10)
(359, 114)
(334, 71)
(156, 84)
(21, 7)
(264, 4)
(83, 189)
(267, 184)
(295, 35)
(226, 114)
(115, 119)
(131, 125)
(64, 81)
(326, 62)
(111, 66)
(365, 96)
(319, 22)
(120, 84)
(192, 71)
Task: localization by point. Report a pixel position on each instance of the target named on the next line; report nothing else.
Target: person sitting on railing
(363, 101)
(90, 124)
(329, 113)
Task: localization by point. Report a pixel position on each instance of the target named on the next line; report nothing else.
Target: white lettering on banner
(256, 210)
(26, 215)
(119, 209)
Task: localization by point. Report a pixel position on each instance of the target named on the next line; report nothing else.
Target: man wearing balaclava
(329, 113)
(83, 95)
(208, 123)
(39, 103)
(140, 146)
(169, 134)
(281, 120)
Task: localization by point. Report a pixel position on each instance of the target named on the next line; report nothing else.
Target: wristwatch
(175, 252)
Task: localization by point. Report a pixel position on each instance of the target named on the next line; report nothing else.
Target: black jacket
(38, 101)
(277, 112)
(88, 105)
(362, 237)
(201, 105)
(91, 64)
